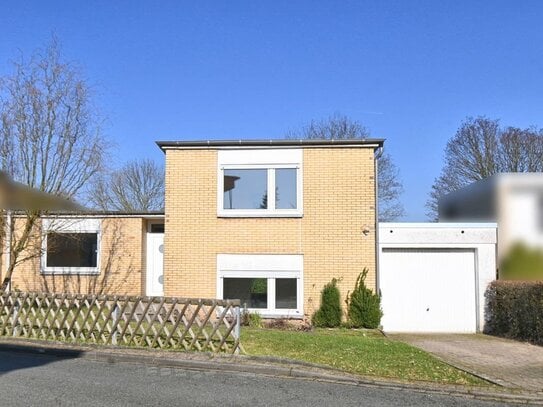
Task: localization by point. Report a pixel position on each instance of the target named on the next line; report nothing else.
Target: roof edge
(377, 142)
(96, 214)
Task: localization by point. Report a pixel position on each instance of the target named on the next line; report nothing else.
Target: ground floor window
(71, 247)
(269, 284)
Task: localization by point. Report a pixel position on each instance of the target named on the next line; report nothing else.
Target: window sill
(263, 214)
(267, 314)
(70, 271)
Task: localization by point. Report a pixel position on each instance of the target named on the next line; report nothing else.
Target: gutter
(378, 153)
(277, 143)
(8, 243)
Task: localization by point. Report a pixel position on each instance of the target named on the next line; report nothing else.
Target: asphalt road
(39, 380)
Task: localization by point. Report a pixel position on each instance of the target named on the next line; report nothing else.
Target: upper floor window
(260, 183)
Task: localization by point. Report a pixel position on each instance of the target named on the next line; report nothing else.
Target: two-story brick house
(269, 222)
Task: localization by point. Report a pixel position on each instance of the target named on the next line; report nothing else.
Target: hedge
(515, 310)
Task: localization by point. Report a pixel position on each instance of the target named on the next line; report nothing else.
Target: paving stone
(509, 363)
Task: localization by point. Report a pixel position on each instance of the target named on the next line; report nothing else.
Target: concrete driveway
(508, 363)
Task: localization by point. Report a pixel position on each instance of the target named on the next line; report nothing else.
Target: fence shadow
(14, 357)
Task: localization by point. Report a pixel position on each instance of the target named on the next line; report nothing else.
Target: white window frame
(70, 226)
(270, 267)
(269, 160)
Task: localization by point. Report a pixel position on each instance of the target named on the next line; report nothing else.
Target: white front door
(155, 265)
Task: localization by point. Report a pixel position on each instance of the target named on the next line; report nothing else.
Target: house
(268, 222)
(91, 252)
(513, 200)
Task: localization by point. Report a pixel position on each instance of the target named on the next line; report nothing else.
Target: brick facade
(335, 235)
(338, 204)
(122, 263)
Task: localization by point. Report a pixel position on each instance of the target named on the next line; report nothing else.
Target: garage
(432, 277)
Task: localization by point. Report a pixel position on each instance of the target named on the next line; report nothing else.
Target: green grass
(365, 353)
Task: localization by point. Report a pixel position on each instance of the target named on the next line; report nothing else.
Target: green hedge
(515, 310)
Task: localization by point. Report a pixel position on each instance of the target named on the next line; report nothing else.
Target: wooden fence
(153, 322)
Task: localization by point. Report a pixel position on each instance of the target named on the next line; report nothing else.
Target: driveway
(509, 363)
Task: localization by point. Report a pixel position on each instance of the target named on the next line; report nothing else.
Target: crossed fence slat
(155, 322)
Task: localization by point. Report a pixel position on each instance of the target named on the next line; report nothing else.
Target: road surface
(38, 380)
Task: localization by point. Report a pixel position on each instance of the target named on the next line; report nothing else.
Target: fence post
(15, 321)
(237, 329)
(115, 317)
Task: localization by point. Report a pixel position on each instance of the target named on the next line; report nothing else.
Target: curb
(266, 366)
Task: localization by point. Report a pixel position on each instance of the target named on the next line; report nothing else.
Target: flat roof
(97, 214)
(199, 144)
(438, 225)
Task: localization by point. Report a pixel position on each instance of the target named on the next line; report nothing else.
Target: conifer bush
(363, 305)
(329, 313)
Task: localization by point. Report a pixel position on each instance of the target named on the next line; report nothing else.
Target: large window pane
(285, 293)
(72, 249)
(246, 189)
(250, 291)
(285, 188)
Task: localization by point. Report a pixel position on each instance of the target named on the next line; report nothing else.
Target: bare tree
(136, 187)
(341, 127)
(50, 134)
(481, 148)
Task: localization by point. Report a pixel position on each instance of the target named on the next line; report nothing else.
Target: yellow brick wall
(122, 264)
(338, 203)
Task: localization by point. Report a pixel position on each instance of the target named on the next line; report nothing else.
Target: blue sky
(411, 71)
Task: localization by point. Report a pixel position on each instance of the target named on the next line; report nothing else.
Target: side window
(71, 246)
(78, 250)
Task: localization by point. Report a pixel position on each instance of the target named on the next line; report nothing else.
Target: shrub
(252, 319)
(514, 309)
(329, 313)
(363, 305)
(280, 323)
(522, 263)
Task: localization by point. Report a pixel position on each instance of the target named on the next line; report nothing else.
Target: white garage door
(428, 290)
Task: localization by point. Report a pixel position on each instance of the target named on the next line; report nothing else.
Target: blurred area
(522, 263)
(19, 197)
(515, 202)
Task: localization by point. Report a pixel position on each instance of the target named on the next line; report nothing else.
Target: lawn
(367, 353)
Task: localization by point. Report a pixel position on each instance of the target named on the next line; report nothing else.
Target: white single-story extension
(433, 276)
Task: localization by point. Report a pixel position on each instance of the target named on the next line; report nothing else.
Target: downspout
(378, 154)
(8, 244)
